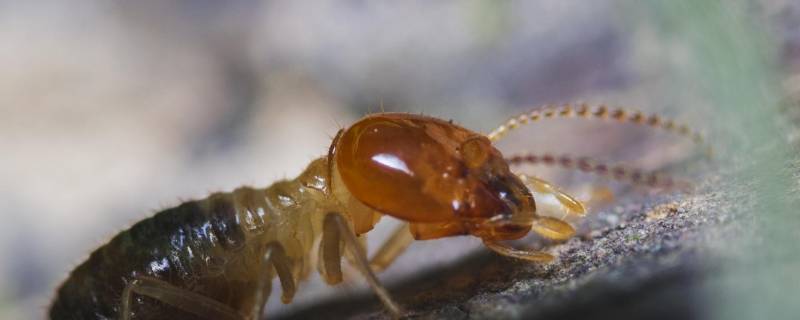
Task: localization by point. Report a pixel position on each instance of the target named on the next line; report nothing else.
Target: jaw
(436, 230)
(501, 231)
(486, 231)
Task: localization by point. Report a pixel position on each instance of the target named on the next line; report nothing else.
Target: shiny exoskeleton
(216, 258)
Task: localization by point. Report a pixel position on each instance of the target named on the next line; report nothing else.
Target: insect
(216, 258)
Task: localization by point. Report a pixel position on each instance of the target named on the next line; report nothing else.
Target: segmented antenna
(616, 172)
(584, 110)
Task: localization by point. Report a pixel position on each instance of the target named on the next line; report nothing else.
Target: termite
(216, 258)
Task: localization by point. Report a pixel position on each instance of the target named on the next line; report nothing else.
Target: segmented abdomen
(197, 245)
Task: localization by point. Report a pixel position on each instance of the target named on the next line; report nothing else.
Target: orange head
(443, 179)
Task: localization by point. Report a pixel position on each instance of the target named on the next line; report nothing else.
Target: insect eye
(475, 151)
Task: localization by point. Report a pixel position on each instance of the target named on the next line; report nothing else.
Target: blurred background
(110, 111)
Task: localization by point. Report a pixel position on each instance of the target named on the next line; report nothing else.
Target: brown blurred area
(111, 111)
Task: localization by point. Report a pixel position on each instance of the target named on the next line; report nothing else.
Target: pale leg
(177, 297)
(263, 295)
(504, 250)
(351, 242)
(330, 252)
(276, 256)
(393, 247)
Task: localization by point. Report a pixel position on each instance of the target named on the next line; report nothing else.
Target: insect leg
(266, 289)
(361, 263)
(330, 252)
(177, 297)
(362, 243)
(504, 250)
(276, 256)
(393, 247)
